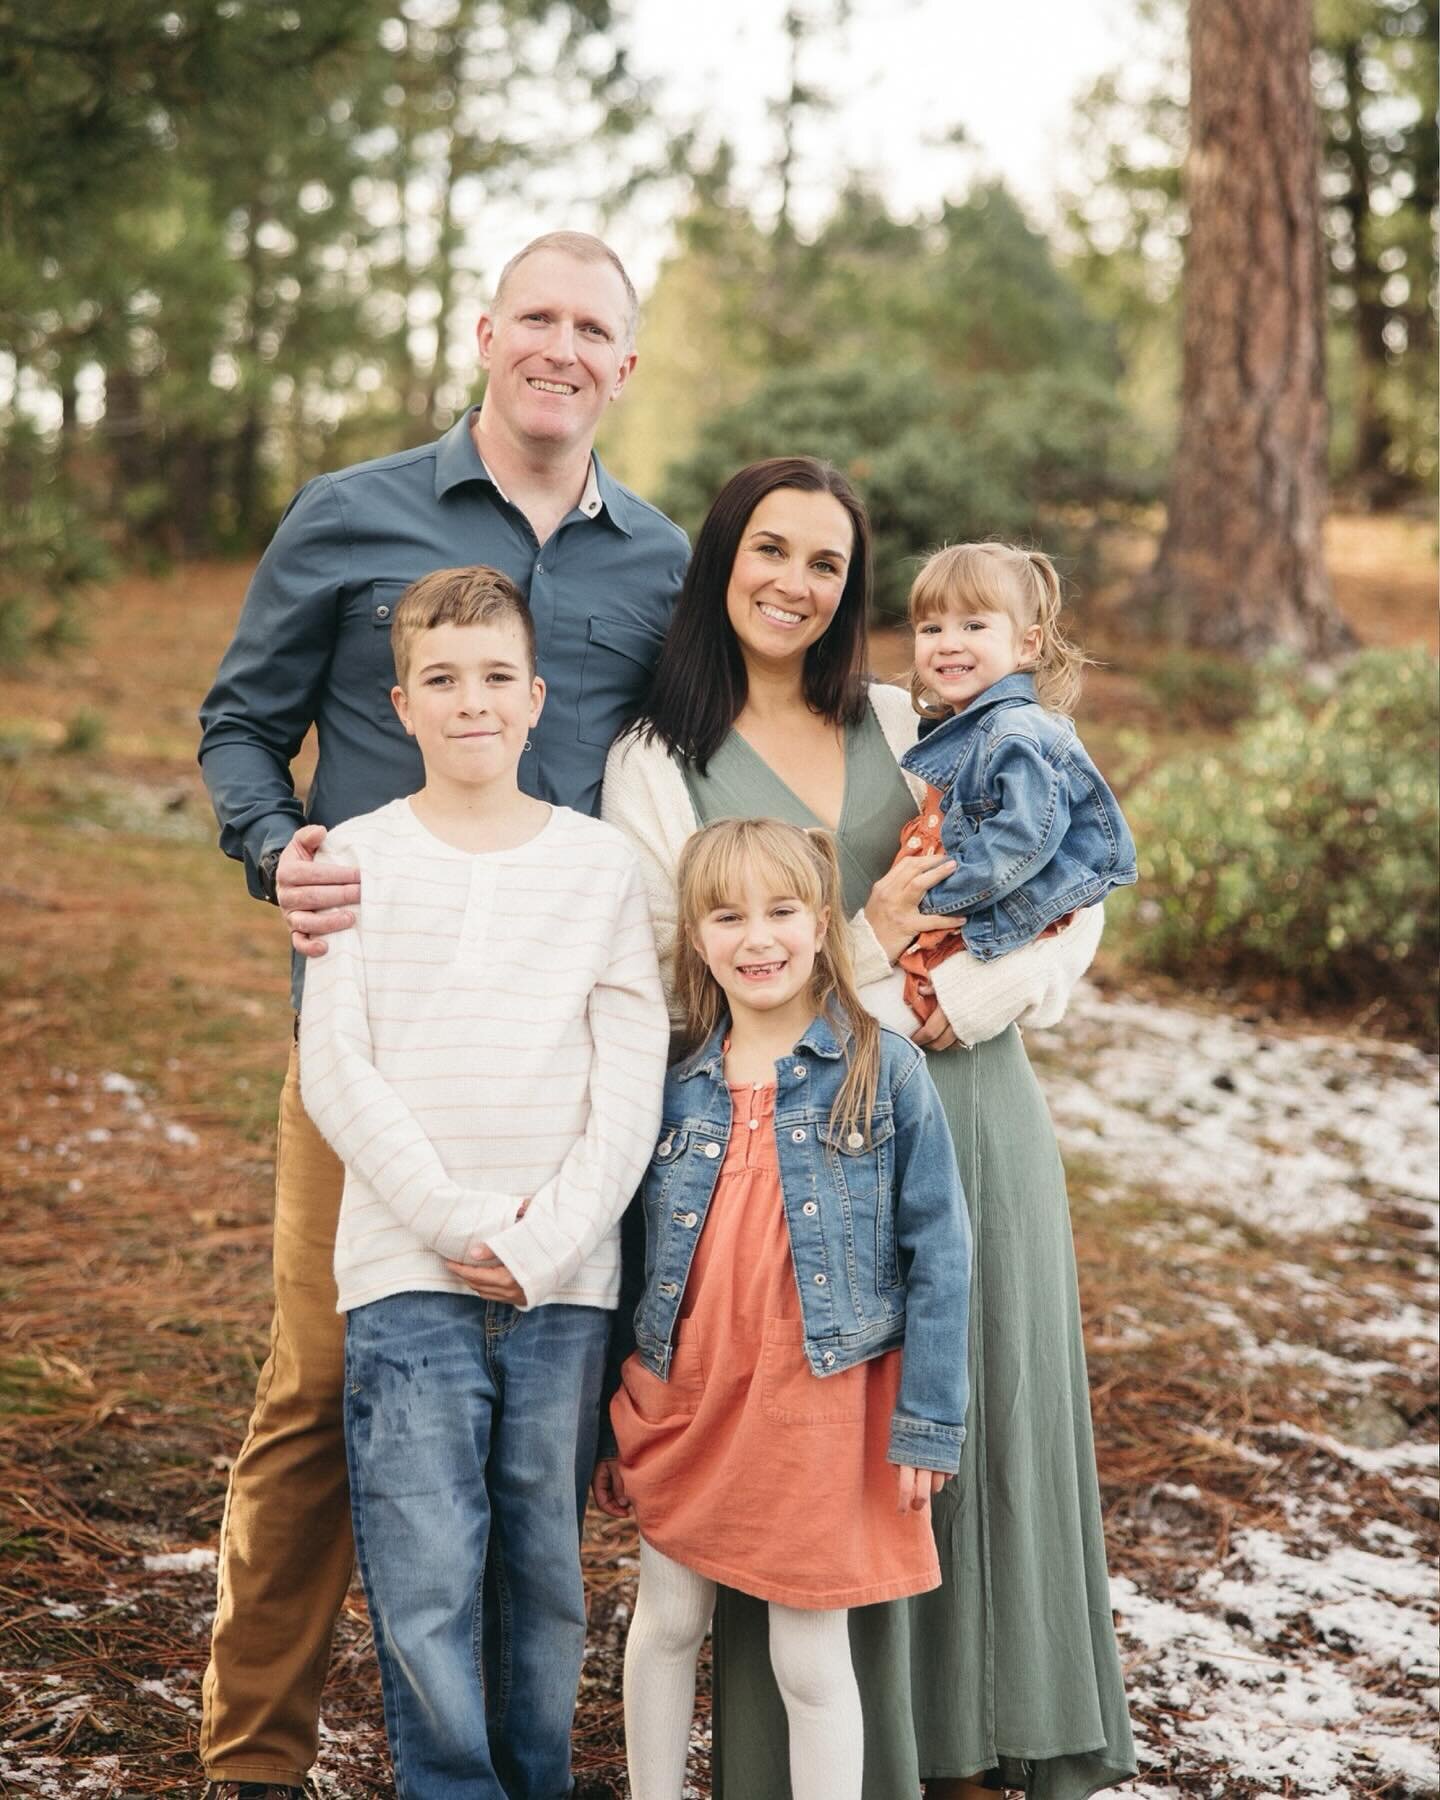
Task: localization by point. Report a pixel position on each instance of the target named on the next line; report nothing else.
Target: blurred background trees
(241, 242)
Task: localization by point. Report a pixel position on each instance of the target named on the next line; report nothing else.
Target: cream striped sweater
(491, 1032)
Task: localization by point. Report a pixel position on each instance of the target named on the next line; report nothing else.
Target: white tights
(809, 1651)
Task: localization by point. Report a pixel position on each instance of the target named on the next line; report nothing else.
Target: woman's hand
(917, 1487)
(893, 909)
(607, 1489)
(487, 1276)
(937, 1033)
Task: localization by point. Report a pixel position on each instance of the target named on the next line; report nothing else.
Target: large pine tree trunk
(1241, 566)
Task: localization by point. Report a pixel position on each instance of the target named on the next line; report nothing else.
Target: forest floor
(1254, 1204)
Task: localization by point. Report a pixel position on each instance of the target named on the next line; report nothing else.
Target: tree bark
(1241, 565)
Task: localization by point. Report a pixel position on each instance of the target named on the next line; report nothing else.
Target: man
(514, 485)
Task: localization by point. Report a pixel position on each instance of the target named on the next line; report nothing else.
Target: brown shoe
(250, 1790)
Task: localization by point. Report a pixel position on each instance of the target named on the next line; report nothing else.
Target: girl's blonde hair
(715, 866)
(1001, 578)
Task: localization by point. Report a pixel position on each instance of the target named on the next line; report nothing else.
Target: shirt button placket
(479, 905)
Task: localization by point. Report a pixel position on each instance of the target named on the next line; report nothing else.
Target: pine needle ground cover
(1254, 1211)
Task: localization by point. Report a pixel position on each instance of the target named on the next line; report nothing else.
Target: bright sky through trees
(901, 76)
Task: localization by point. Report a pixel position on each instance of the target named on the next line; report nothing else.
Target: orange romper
(744, 1466)
(921, 837)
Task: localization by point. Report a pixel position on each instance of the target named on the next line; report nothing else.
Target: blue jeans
(470, 1433)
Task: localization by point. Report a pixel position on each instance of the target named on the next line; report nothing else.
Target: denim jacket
(1034, 830)
(879, 1234)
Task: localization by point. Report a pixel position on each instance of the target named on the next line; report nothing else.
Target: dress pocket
(660, 1402)
(792, 1394)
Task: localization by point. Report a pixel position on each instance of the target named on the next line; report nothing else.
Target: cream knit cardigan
(646, 797)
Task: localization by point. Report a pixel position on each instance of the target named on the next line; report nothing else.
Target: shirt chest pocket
(375, 609)
(864, 1167)
(620, 655)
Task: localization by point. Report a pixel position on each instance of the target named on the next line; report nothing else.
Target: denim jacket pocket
(663, 1402)
(792, 1394)
(862, 1167)
(976, 812)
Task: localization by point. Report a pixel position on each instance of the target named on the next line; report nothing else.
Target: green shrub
(1198, 689)
(1307, 852)
(979, 456)
(50, 557)
(84, 734)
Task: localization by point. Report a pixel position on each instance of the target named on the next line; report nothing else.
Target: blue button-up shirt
(313, 642)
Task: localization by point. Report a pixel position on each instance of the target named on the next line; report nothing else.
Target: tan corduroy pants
(285, 1546)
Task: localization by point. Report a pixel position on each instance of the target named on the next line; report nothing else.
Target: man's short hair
(477, 596)
(584, 248)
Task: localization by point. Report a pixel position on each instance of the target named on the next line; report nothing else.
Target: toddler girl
(803, 1221)
(1012, 795)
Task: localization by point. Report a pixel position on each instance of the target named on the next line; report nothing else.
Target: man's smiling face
(557, 348)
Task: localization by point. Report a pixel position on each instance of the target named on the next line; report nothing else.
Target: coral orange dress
(745, 1466)
(921, 837)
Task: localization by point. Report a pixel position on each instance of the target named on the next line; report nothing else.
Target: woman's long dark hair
(699, 686)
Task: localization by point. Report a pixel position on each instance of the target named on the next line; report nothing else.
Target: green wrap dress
(1011, 1665)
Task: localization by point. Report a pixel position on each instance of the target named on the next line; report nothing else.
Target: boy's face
(469, 701)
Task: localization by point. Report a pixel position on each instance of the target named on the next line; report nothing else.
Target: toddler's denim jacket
(1033, 827)
(879, 1233)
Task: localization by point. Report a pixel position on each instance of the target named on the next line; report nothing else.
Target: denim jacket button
(820, 1280)
(798, 1071)
(828, 1358)
(688, 1220)
(809, 1209)
(798, 1135)
(855, 1141)
(665, 1146)
(712, 1149)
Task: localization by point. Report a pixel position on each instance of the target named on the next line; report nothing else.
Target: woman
(1008, 1674)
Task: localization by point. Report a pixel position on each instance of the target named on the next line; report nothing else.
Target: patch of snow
(181, 1135)
(1287, 1133)
(1285, 1721)
(1394, 1461)
(181, 1562)
(61, 1609)
(113, 1083)
(163, 1691)
(1407, 1325)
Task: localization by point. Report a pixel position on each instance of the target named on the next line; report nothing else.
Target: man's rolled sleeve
(255, 717)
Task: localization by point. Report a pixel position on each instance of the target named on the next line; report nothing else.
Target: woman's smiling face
(789, 573)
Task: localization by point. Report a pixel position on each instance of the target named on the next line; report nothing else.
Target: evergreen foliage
(1305, 852)
(956, 375)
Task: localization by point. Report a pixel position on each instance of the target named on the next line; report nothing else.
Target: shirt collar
(1012, 689)
(820, 1037)
(457, 462)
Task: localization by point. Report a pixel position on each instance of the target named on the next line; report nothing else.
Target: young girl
(1012, 795)
(804, 1220)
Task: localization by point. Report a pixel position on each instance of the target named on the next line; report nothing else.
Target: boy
(486, 1053)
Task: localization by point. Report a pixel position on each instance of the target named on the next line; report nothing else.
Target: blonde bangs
(716, 866)
(972, 578)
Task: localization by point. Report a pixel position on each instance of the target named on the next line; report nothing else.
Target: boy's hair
(477, 596)
(714, 866)
(1001, 578)
(584, 247)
